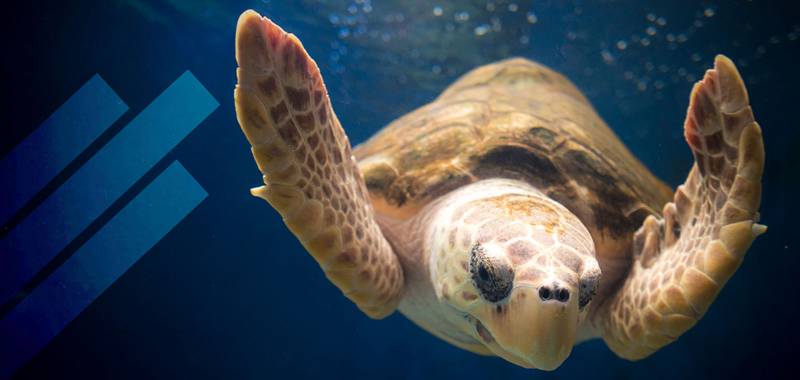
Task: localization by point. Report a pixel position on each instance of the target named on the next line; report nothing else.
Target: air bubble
(658, 84)
(490, 6)
(645, 41)
(641, 86)
(698, 24)
(670, 37)
(650, 30)
(532, 19)
(524, 40)
(572, 36)
(461, 16)
(774, 40)
(621, 45)
(649, 66)
(352, 9)
(334, 19)
(696, 57)
(436, 69)
(482, 29)
(513, 7)
(651, 17)
(438, 11)
(709, 12)
(607, 57)
(681, 38)
(661, 21)
(344, 33)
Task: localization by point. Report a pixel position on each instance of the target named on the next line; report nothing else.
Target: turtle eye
(493, 278)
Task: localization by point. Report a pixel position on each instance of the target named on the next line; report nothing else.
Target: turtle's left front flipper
(310, 176)
(682, 260)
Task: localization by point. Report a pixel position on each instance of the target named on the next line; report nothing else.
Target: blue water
(229, 293)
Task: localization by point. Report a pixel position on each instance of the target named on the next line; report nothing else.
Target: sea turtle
(505, 217)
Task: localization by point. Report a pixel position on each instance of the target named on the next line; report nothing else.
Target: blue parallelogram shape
(96, 265)
(56, 142)
(101, 181)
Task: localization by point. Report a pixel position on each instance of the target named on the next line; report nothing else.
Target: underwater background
(230, 293)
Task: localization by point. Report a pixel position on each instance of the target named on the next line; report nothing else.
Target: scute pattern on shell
(512, 119)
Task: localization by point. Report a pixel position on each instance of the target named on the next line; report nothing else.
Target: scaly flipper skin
(310, 176)
(682, 260)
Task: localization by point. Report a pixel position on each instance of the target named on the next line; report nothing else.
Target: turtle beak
(535, 329)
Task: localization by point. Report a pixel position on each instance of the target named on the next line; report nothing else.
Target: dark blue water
(229, 293)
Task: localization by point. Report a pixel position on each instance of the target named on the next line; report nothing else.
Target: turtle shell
(512, 119)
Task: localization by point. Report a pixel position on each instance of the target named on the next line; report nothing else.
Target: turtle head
(519, 270)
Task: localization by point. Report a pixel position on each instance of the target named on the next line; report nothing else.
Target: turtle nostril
(559, 294)
(545, 293)
(562, 295)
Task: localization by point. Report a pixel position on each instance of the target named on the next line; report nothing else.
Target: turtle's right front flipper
(310, 177)
(682, 260)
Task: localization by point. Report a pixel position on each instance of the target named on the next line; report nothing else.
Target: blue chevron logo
(40, 290)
